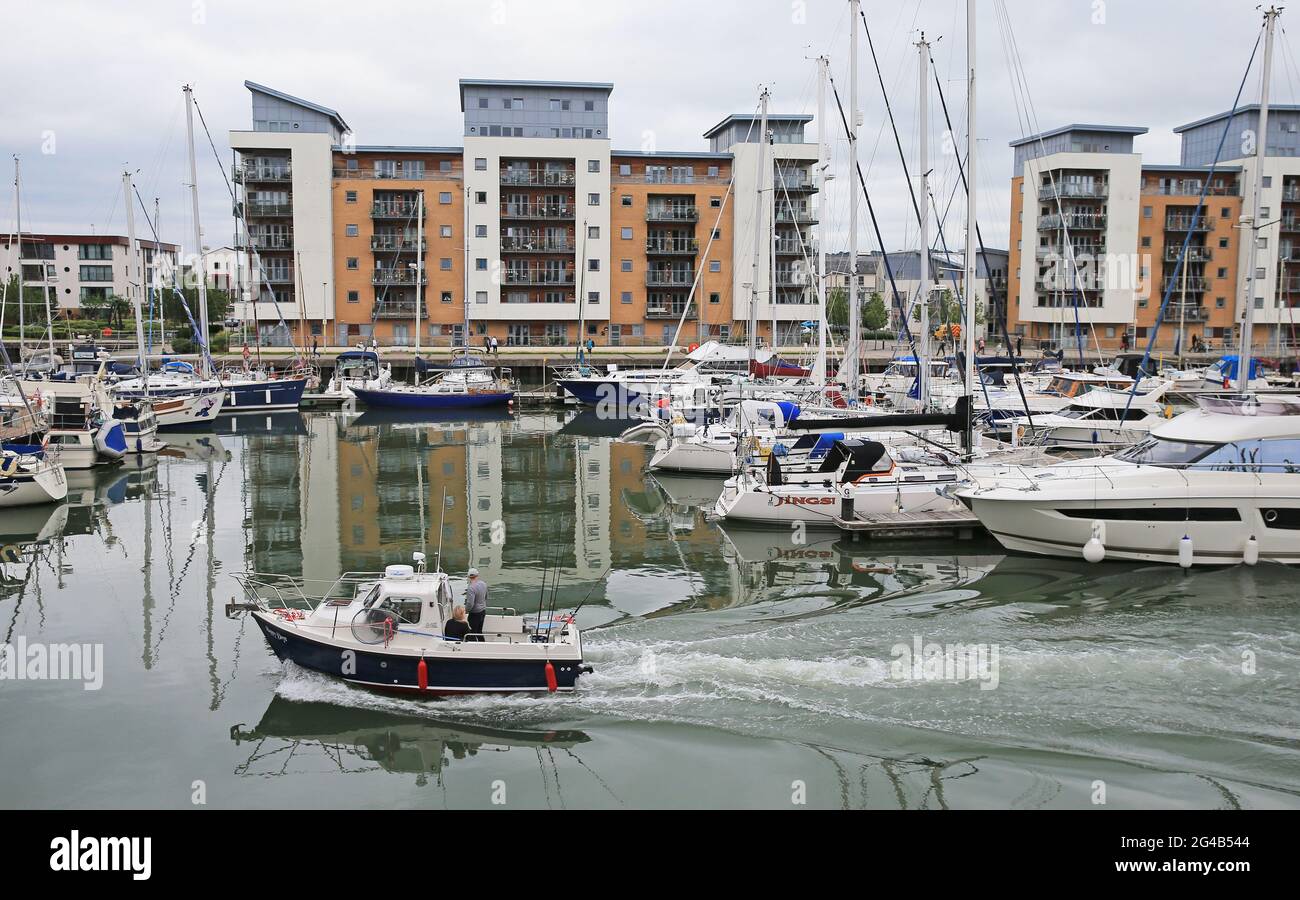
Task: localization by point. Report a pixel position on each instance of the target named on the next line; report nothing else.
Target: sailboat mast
(134, 263)
(819, 367)
(22, 315)
(198, 233)
(758, 231)
(854, 345)
(972, 263)
(1261, 145)
(923, 168)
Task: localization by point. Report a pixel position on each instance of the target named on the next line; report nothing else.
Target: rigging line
(1244, 377)
(911, 191)
(875, 225)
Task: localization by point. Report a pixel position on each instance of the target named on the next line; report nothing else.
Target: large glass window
(1156, 452)
(1255, 456)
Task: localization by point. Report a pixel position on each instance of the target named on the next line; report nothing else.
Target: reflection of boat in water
(700, 491)
(33, 524)
(373, 417)
(393, 742)
(283, 422)
(590, 423)
(196, 446)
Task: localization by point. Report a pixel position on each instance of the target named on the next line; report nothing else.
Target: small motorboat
(27, 479)
(385, 631)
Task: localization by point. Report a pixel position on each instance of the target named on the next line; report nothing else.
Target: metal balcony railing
(796, 216)
(1184, 223)
(277, 276)
(1194, 254)
(672, 213)
(394, 209)
(394, 309)
(669, 311)
(1065, 190)
(516, 244)
(536, 276)
(671, 246)
(670, 278)
(263, 241)
(792, 182)
(796, 248)
(397, 243)
(1080, 251)
(537, 211)
(265, 208)
(266, 172)
(538, 178)
(793, 279)
(1185, 312)
(397, 276)
(1194, 285)
(1083, 221)
(1291, 193)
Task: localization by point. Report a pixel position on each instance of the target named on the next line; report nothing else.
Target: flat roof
(289, 98)
(672, 154)
(38, 238)
(606, 86)
(1149, 167)
(1107, 129)
(394, 148)
(752, 117)
(1249, 107)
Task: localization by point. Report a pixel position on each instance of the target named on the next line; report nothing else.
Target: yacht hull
(432, 400)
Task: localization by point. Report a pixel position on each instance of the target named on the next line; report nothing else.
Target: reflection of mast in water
(147, 569)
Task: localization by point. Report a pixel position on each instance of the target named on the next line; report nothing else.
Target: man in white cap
(476, 602)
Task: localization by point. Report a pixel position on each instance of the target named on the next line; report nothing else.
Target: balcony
(263, 241)
(1080, 221)
(534, 244)
(397, 276)
(676, 278)
(1062, 282)
(1194, 285)
(795, 216)
(1194, 254)
(672, 213)
(796, 248)
(1185, 312)
(396, 243)
(1291, 193)
(793, 278)
(260, 208)
(1184, 223)
(394, 309)
(1290, 223)
(794, 182)
(1288, 285)
(394, 209)
(671, 246)
(253, 172)
(1189, 189)
(278, 276)
(668, 310)
(1064, 190)
(516, 210)
(538, 178)
(552, 296)
(537, 276)
(1080, 251)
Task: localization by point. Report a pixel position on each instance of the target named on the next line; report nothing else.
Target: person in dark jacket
(457, 627)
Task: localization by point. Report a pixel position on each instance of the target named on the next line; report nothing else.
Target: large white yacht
(1214, 486)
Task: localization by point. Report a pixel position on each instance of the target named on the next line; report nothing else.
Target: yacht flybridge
(385, 631)
(1214, 486)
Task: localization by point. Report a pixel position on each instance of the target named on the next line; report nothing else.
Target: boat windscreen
(1157, 452)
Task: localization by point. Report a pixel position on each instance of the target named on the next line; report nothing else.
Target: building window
(445, 264)
(480, 231)
(624, 169)
(1266, 181)
(1225, 212)
(593, 199)
(593, 265)
(593, 165)
(626, 265)
(444, 165)
(480, 196)
(593, 232)
(350, 196)
(715, 298)
(1146, 241)
(715, 202)
(444, 230)
(589, 105)
(625, 233)
(593, 297)
(482, 102)
(352, 263)
(351, 230)
(480, 264)
(1218, 302)
(625, 297)
(717, 233)
(480, 164)
(1223, 272)
(716, 265)
(480, 296)
(1146, 213)
(354, 296)
(446, 296)
(713, 171)
(1223, 243)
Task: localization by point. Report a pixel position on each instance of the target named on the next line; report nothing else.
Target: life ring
(692, 347)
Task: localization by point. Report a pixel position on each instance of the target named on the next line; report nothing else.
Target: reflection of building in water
(591, 511)
(319, 468)
(273, 498)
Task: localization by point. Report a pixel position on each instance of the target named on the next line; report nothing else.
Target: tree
(875, 317)
(33, 304)
(837, 308)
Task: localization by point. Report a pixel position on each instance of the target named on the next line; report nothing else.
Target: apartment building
(1083, 188)
(80, 267)
(534, 231)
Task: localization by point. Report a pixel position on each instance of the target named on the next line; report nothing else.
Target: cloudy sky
(95, 86)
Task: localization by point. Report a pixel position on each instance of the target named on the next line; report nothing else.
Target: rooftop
(751, 117)
(1248, 108)
(306, 104)
(1065, 129)
(605, 86)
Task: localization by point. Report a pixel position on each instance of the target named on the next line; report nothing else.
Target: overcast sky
(95, 86)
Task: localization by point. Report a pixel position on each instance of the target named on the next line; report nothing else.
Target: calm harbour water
(733, 668)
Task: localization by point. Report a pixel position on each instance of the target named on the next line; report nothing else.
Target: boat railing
(293, 592)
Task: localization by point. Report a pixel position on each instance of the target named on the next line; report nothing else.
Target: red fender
(551, 685)
(422, 674)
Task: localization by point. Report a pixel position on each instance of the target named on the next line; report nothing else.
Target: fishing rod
(574, 615)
